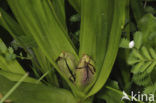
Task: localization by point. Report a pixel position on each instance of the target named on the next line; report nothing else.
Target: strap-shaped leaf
(35, 93)
(10, 24)
(96, 24)
(113, 44)
(42, 24)
(88, 29)
(59, 8)
(37, 19)
(16, 77)
(15, 30)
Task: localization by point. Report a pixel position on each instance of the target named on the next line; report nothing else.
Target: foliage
(75, 65)
(143, 55)
(33, 93)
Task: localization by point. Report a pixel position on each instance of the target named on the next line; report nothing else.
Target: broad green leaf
(95, 28)
(33, 93)
(87, 30)
(113, 44)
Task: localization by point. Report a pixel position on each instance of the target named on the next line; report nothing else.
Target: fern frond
(150, 89)
(142, 79)
(146, 53)
(142, 60)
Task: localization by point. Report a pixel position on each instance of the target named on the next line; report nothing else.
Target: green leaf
(124, 43)
(95, 28)
(152, 52)
(132, 61)
(145, 66)
(31, 93)
(113, 43)
(3, 48)
(151, 67)
(42, 23)
(142, 79)
(144, 61)
(7, 62)
(145, 53)
(150, 89)
(137, 68)
(137, 54)
(58, 7)
(39, 22)
(13, 28)
(16, 77)
(87, 32)
(111, 93)
(138, 39)
(10, 24)
(147, 25)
